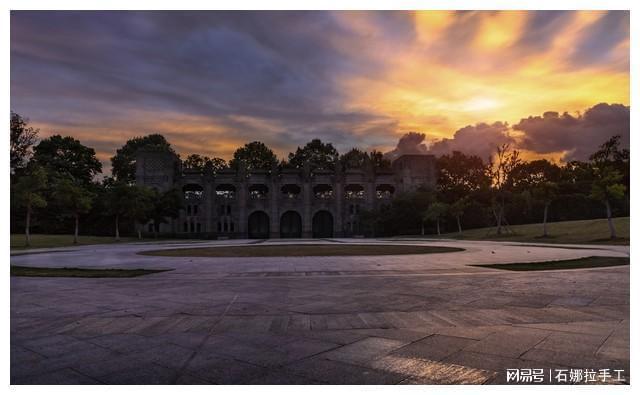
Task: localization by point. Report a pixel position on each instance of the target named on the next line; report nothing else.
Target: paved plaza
(405, 319)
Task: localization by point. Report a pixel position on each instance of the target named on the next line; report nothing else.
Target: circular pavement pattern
(375, 319)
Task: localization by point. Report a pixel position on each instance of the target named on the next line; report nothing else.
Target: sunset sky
(212, 81)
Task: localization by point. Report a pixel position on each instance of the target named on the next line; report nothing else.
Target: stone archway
(290, 225)
(322, 224)
(258, 225)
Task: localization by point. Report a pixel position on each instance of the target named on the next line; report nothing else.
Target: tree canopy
(123, 164)
(22, 139)
(204, 164)
(460, 175)
(354, 159)
(67, 157)
(254, 156)
(317, 154)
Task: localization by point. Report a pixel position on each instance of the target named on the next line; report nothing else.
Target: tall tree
(501, 171)
(607, 185)
(539, 179)
(123, 164)
(379, 161)
(75, 198)
(128, 201)
(165, 205)
(317, 154)
(434, 213)
(254, 156)
(28, 193)
(22, 139)
(67, 157)
(354, 159)
(140, 207)
(205, 164)
(459, 175)
(457, 209)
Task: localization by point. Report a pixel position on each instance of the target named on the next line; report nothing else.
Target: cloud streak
(213, 80)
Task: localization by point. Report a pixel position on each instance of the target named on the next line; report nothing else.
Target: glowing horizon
(212, 81)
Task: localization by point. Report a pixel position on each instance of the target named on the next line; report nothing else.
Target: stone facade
(283, 203)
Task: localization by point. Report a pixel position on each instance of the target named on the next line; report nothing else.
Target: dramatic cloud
(410, 143)
(480, 139)
(577, 136)
(211, 81)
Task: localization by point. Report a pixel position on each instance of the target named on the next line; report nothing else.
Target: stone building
(278, 203)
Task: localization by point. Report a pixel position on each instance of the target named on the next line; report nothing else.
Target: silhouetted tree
(64, 157)
(460, 175)
(165, 205)
(607, 185)
(434, 213)
(457, 209)
(316, 153)
(22, 138)
(128, 201)
(254, 156)
(123, 164)
(539, 179)
(75, 199)
(204, 164)
(28, 193)
(354, 159)
(500, 172)
(379, 161)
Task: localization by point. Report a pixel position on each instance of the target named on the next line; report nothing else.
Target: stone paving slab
(414, 319)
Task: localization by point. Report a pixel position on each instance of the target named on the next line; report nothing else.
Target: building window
(198, 228)
(354, 191)
(228, 209)
(150, 228)
(195, 210)
(186, 227)
(219, 227)
(225, 191)
(384, 191)
(258, 191)
(188, 209)
(290, 191)
(323, 191)
(193, 192)
(231, 227)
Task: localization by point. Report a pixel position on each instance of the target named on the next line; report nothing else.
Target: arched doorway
(290, 225)
(258, 225)
(323, 224)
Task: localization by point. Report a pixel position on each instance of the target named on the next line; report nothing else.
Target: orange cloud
(435, 94)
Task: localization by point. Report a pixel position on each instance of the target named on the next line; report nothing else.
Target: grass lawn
(52, 241)
(595, 231)
(25, 271)
(581, 263)
(301, 250)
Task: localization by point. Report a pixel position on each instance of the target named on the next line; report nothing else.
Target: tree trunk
(117, 229)
(612, 229)
(544, 220)
(75, 233)
(27, 235)
(499, 220)
(139, 233)
(438, 226)
(422, 227)
(156, 229)
(459, 225)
